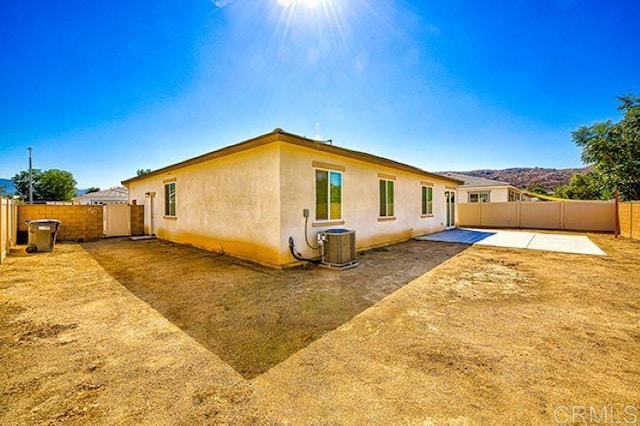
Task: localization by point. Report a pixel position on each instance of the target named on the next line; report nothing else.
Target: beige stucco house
(117, 195)
(248, 199)
(481, 190)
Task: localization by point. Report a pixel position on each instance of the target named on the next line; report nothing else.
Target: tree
(582, 186)
(537, 188)
(56, 185)
(92, 189)
(3, 188)
(21, 182)
(141, 172)
(50, 185)
(614, 150)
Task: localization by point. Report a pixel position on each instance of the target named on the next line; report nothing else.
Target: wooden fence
(8, 226)
(629, 216)
(560, 215)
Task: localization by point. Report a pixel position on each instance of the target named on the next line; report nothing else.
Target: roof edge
(227, 150)
(279, 135)
(506, 185)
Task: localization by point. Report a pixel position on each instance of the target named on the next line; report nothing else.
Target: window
(328, 195)
(479, 197)
(386, 197)
(170, 199)
(514, 196)
(427, 200)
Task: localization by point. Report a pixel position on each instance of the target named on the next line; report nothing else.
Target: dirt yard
(491, 336)
(251, 316)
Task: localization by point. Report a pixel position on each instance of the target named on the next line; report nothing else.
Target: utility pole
(30, 177)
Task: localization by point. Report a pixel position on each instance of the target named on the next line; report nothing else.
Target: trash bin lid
(44, 221)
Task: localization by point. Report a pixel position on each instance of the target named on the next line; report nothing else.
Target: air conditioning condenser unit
(339, 248)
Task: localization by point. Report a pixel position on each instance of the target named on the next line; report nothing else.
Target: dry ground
(251, 316)
(492, 336)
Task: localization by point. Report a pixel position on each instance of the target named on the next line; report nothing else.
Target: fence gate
(117, 220)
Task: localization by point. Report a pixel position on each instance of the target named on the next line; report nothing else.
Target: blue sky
(104, 88)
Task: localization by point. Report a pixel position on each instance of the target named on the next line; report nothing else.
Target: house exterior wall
(229, 204)
(249, 202)
(497, 194)
(360, 201)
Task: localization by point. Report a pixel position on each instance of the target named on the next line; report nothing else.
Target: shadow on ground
(251, 316)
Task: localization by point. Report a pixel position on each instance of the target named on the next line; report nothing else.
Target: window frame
(426, 205)
(514, 196)
(167, 199)
(315, 188)
(478, 194)
(388, 182)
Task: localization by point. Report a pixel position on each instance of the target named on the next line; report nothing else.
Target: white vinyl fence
(575, 215)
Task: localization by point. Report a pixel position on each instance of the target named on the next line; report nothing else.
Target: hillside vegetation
(528, 177)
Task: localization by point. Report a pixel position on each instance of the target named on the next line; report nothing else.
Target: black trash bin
(42, 234)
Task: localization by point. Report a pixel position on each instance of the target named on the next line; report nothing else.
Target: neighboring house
(248, 199)
(481, 190)
(118, 195)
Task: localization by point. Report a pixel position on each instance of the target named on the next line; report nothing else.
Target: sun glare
(324, 18)
(308, 3)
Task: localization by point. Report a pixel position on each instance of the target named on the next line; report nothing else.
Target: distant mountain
(527, 177)
(7, 186)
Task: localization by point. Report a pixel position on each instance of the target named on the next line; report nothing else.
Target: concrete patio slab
(565, 244)
(579, 244)
(508, 239)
